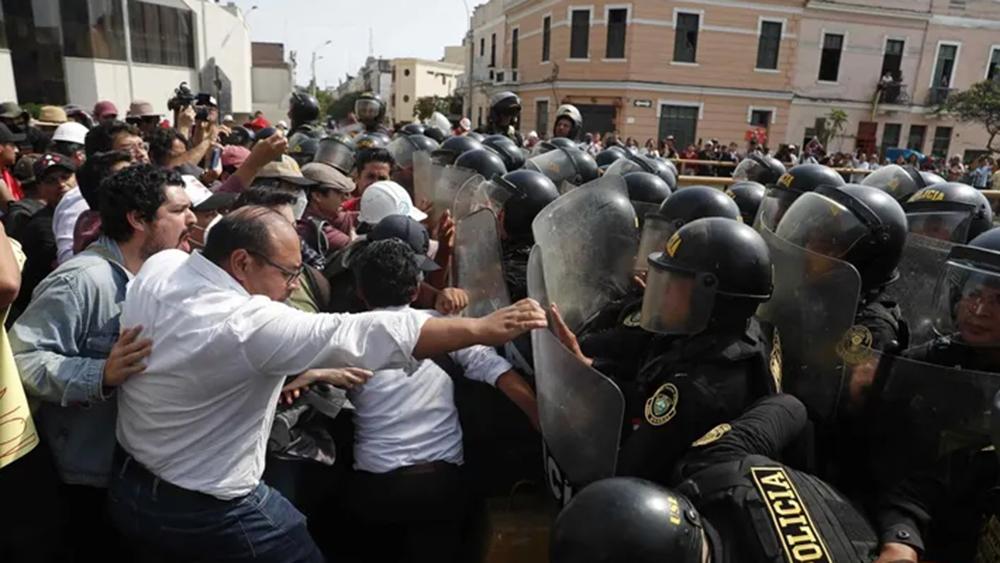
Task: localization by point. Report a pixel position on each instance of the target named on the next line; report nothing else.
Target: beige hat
(328, 177)
(51, 116)
(287, 170)
(141, 108)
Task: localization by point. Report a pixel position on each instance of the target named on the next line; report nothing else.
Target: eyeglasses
(289, 275)
(136, 148)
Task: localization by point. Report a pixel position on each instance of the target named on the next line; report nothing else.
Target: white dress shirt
(200, 414)
(64, 218)
(408, 416)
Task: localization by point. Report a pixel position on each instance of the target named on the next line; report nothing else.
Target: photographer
(196, 119)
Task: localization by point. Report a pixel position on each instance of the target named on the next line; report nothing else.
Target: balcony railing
(938, 94)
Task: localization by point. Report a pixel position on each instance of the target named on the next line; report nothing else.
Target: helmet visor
(336, 154)
(623, 166)
(821, 225)
(942, 225)
(967, 304)
(556, 164)
(488, 194)
(366, 109)
(772, 208)
(747, 170)
(656, 230)
(676, 302)
(402, 149)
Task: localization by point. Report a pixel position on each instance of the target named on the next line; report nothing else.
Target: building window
(761, 118)
(406, 72)
(992, 72)
(444, 80)
(579, 42)
(892, 59)
(493, 49)
(482, 46)
(769, 45)
(686, 37)
(161, 34)
(3, 30)
(93, 29)
(944, 68)
(942, 142)
(541, 117)
(479, 120)
(890, 136)
(679, 121)
(513, 47)
(406, 98)
(915, 140)
(35, 31)
(546, 37)
(617, 27)
(829, 62)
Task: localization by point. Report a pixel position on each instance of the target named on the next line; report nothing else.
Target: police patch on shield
(856, 345)
(662, 406)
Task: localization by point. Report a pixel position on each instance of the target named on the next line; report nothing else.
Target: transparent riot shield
(478, 265)
(423, 189)
(922, 262)
(580, 410)
(623, 166)
(656, 230)
(942, 225)
(588, 239)
(488, 194)
(439, 184)
(557, 164)
(536, 277)
(642, 210)
(813, 306)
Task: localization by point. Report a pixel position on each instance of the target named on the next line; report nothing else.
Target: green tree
(326, 101)
(836, 120)
(427, 105)
(979, 104)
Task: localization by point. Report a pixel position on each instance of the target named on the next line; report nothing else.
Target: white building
(418, 78)
(84, 51)
(271, 77)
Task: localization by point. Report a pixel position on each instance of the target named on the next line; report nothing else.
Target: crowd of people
(336, 341)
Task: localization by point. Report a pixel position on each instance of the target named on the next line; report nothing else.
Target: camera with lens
(201, 102)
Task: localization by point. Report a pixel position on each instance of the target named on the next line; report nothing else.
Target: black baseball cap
(51, 160)
(409, 231)
(8, 136)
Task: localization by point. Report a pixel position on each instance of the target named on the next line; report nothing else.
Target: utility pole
(312, 83)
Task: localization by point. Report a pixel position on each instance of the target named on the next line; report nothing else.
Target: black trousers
(412, 515)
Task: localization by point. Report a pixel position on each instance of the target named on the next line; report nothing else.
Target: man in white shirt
(410, 490)
(193, 427)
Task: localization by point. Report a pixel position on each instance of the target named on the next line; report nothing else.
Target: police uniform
(691, 384)
(756, 509)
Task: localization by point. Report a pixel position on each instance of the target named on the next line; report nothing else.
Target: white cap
(227, 118)
(195, 190)
(281, 125)
(70, 132)
(385, 198)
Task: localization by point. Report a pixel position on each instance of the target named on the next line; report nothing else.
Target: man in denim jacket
(67, 345)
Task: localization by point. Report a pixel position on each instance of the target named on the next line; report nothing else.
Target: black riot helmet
(647, 188)
(555, 143)
(759, 168)
(484, 161)
(967, 293)
(302, 108)
(303, 147)
(411, 129)
(369, 109)
(435, 133)
(337, 151)
(608, 156)
(643, 163)
(373, 140)
(627, 520)
(711, 274)
(900, 182)
(476, 135)
(506, 149)
(403, 147)
(797, 181)
(565, 165)
(569, 112)
(860, 225)
(530, 192)
(950, 211)
(931, 178)
(747, 196)
(504, 105)
(452, 147)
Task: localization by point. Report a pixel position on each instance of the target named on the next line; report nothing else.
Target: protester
(981, 172)
(10, 188)
(20, 211)
(323, 216)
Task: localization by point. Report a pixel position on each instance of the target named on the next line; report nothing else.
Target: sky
(400, 28)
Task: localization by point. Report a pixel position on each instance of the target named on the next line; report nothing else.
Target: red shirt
(12, 183)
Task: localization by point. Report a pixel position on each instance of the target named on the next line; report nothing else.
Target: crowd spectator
(10, 187)
(981, 173)
(956, 169)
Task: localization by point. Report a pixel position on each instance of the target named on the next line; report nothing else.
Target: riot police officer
(303, 111)
(484, 161)
(402, 149)
(568, 123)
(748, 196)
(608, 156)
(504, 117)
(452, 147)
(370, 110)
(797, 181)
(641, 163)
(900, 182)
(530, 191)
(759, 168)
(565, 165)
(647, 192)
(513, 157)
(950, 211)
(302, 147)
(411, 129)
(732, 501)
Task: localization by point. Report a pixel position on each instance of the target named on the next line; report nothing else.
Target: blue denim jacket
(60, 344)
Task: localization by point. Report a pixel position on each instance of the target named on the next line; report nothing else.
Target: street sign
(642, 103)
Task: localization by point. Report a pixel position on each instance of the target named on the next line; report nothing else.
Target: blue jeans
(175, 524)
